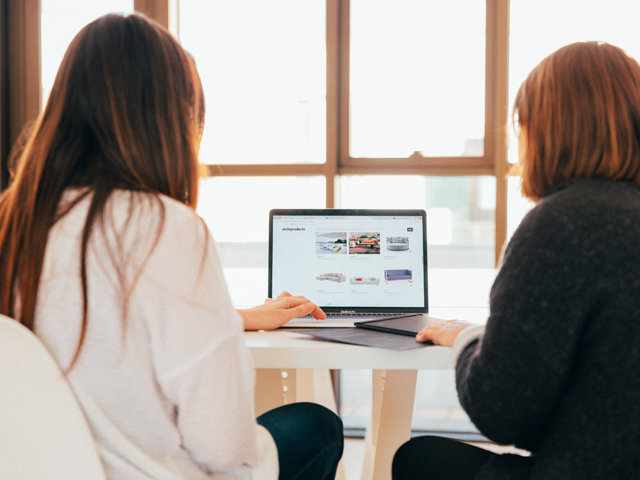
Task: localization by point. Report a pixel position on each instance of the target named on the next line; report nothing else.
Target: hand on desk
(278, 311)
(444, 333)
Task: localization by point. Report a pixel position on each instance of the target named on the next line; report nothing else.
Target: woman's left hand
(444, 333)
(278, 311)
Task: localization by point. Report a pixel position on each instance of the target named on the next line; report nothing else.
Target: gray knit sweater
(557, 371)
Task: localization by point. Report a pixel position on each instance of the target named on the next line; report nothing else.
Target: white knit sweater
(170, 396)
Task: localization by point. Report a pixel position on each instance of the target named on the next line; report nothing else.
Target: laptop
(355, 264)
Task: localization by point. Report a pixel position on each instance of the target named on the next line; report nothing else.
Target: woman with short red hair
(555, 370)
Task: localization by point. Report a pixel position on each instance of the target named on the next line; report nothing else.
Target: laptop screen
(360, 260)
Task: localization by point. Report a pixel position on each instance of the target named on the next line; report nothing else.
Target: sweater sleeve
(510, 380)
(202, 365)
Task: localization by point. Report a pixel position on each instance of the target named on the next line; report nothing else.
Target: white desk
(453, 293)
(306, 362)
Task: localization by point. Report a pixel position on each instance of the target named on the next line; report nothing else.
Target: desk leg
(268, 392)
(315, 386)
(390, 423)
(275, 387)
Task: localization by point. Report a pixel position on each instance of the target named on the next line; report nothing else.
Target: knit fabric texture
(557, 369)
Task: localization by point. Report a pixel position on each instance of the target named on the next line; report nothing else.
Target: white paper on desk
(361, 336)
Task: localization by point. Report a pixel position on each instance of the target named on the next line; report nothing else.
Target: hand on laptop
(278, 311)
(444, 333)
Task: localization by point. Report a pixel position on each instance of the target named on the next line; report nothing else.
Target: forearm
(214, 403)
(506, 384)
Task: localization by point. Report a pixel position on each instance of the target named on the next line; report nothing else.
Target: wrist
(248, 322)
(464, 338)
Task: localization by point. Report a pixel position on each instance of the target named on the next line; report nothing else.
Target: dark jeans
(309, 438)
(438, 458)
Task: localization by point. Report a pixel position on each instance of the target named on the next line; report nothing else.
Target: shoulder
(582, 210)
(142, 231)
(147, 219)
(155, 235)
(589, 199)
(584, 231)
(124, 203)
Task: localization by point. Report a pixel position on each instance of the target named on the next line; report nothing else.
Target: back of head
(126, 108)
(579, 112)
(126, 111)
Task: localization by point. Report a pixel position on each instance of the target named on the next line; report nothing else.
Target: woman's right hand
(278, 311)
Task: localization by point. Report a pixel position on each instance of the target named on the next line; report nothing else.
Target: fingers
(292, 303)
(318, 314)
(279, 297)
(299, 311)
(426, 334)
(444, 333)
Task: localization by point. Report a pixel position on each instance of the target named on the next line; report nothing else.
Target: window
(540, 28)
(460, 212)
(417, 78)
(352, 105)
(347, 104)
(236, 210)
(262, 66)
(60, 21)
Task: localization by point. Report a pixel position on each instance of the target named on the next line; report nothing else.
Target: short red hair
(580, 112)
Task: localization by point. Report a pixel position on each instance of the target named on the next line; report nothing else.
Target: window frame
(475, 165)
(338, 161)
(21, 43)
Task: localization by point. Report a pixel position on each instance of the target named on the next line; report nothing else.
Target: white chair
(43, 432)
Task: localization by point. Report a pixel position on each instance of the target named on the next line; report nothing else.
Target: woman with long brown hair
(555, 370)
(103, 257)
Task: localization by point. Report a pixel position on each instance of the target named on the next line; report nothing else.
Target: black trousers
(309, 438)
(426, 458)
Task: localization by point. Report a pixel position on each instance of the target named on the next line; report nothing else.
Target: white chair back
(43, 432)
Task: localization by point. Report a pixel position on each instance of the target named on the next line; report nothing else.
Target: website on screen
(357, 261)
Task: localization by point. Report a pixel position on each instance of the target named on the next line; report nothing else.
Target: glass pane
(460, 212)
(60, 21)
(539, 28)
(263, 70)
(517, 205)
(237, 213)
(460, 234)
(417, 78)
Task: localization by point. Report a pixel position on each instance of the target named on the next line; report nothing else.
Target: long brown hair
(579, 110)
(126, 111)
